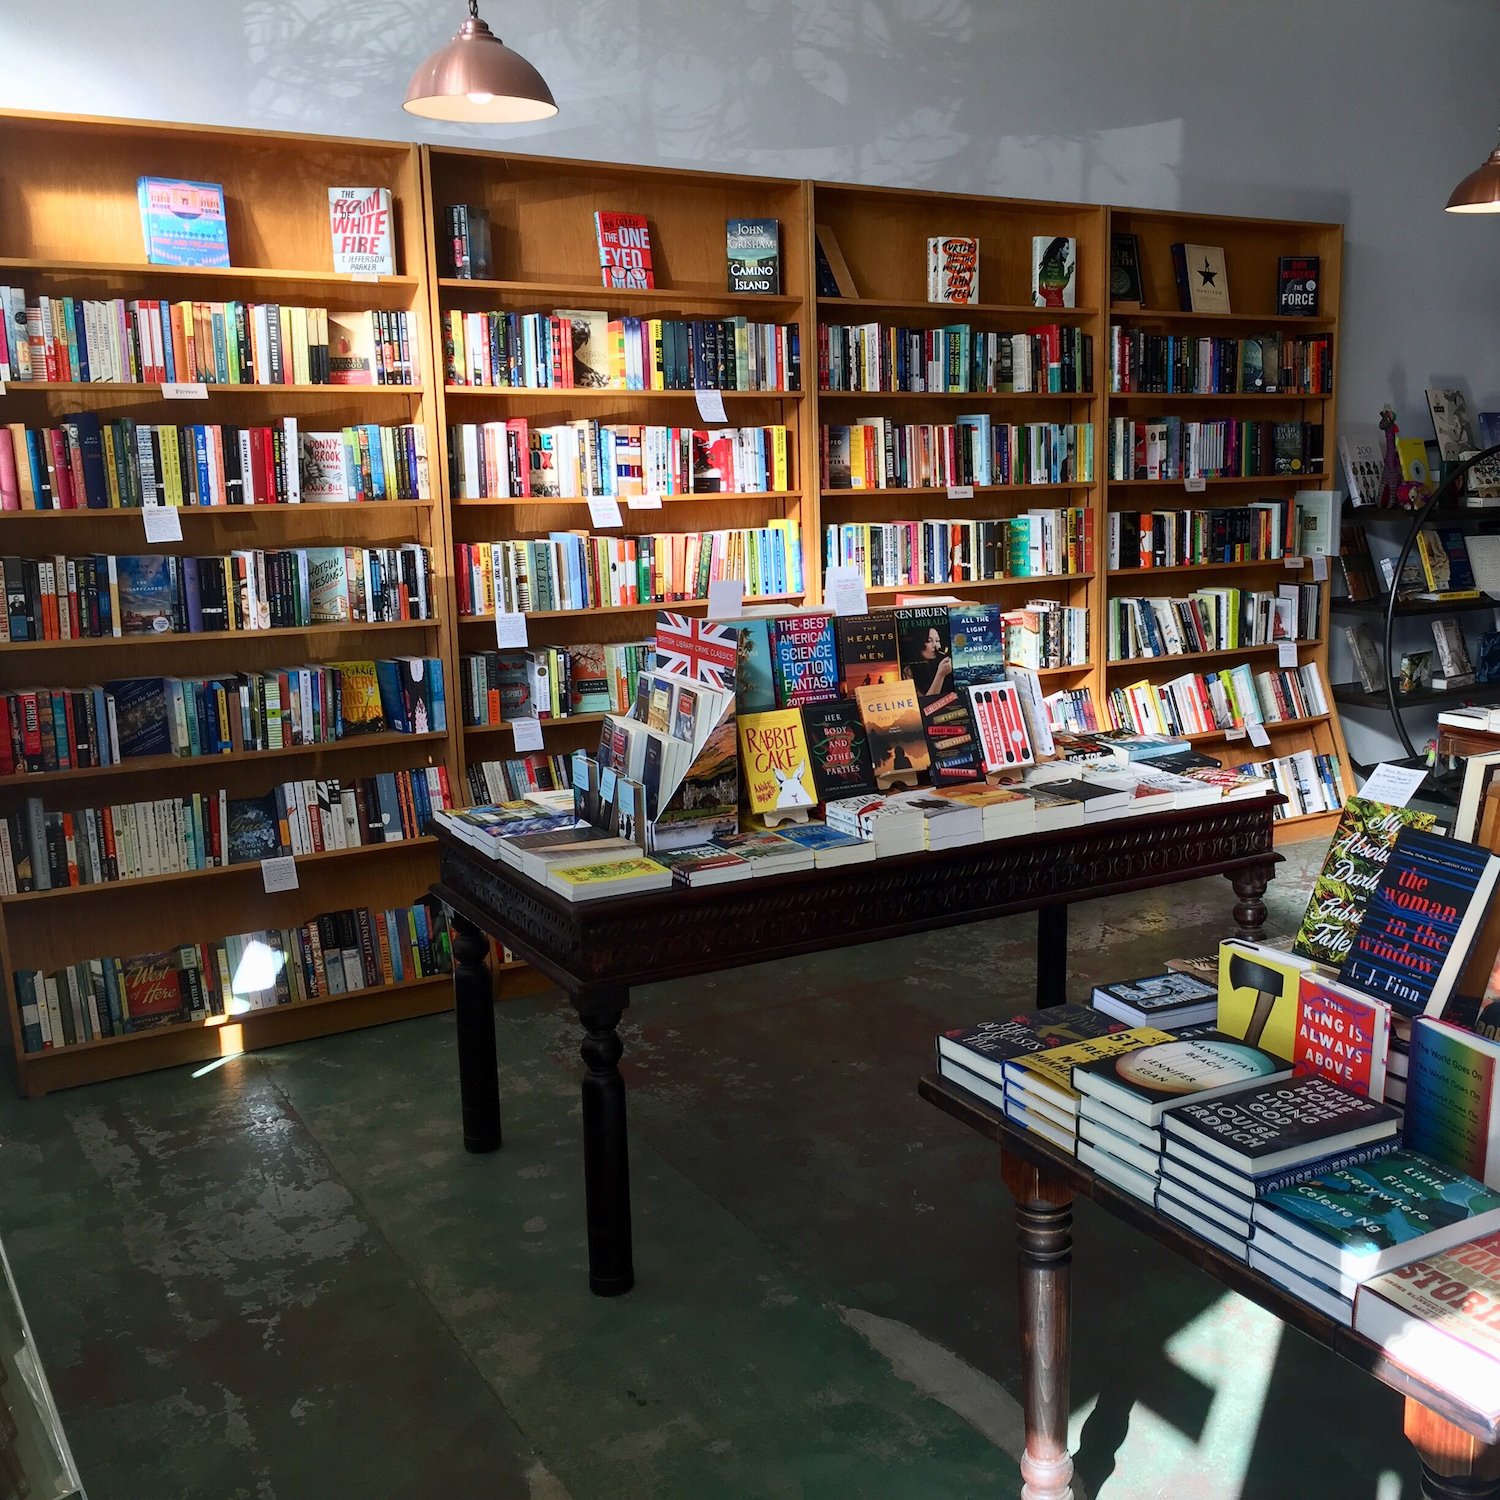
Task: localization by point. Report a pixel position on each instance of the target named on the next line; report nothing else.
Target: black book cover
(839, 748)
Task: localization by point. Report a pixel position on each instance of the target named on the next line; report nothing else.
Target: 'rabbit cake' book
(773, 753)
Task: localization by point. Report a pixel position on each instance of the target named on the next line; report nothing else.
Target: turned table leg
(1455, 1466)
(1044, 1256)
(1051, 955)
(1250, 908)
(606, 1152)
(474, 1015)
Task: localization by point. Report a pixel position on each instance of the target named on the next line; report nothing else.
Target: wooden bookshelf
(1251, 251)
(70, 225)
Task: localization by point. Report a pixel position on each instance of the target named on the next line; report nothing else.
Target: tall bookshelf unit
(1251, 249)
(546, 258)
(69, 225)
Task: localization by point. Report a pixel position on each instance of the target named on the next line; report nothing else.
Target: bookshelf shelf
(205, 513)
(1225, 652)
(588, 293)
(1268, 321)
(306, 863)
(1049, 396)
(1204, 567)
(1271, 726)
(1356, 697)
(233, 278)
(185, 638)
(604, 611)
(151, 391)
(942, 587)
(1416, 607)
(1305, 481)
(628, 511)
(929, 491)
(955, 312)
(603, 393)
(505, 726)
(1252, 398)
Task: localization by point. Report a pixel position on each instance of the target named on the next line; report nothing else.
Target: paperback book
(1054, 268)
(953, 268)
(954, 758)
(1168, 1000)
(773, 752)
(1297, 286)
(183, 222)
(624, 250)
(1146, 1082)
(866, 651)
(753, 250)
(893, 722)
(804, 658)
(1202, 279)
(839, 750)
(363, 231)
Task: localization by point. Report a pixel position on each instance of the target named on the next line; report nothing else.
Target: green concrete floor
(284, 1280)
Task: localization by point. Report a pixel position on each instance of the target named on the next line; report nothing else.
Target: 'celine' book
(1436, 1318)
(1144, 1083)
(1363, 1220)
(893, 722)
(1421, 921)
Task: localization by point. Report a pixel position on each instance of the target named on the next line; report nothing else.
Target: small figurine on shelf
(1396, 490)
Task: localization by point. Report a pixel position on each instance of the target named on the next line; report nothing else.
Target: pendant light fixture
(1479, 192)
(477, 79)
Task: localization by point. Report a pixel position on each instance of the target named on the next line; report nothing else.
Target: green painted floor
(284, 1280)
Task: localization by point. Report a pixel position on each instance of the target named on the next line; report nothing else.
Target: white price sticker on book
(1393, 785)
(711, 406)
(844, 591)
(1320, 569)
(726, 598)
(643, 502)
(1258, 735)
(163, 523)
(604, 510)
(1286, 653)
(1196, 485)
(184, 390)
(527, 734)
(279, 874)
(510, 630)
(960, 491)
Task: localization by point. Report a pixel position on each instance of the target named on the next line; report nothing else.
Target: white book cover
(362, 230)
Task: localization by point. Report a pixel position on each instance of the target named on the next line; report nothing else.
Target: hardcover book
(977, 640)
(983, 1048)
(1202, 279)
(148, 596)
(1297, 286)
(924, 646)
(1051, 1072)
(183, 222)
(624, 250)
(467, 245)
(151, 991)
(1001, 726)
(1421, 921)
(834, 278)
(805, 659)
(254, 829)
(893, 722)
(1368, 663)
(1126, 289)
(1366, 1219)
(1144, 1083)
(322, 467)
(1414, 675)
(773, 752)
(953, 268)
(1159, 999)
(1351, 870)
(951, 742)
(867, 651)
(1054, 268)
(1456, 670)
(351, 347)
(1436, 1317)
(140, 716)
(840, 750)
(754, 670)
(1271, 1126)
(1453, 1098)
(1342, 1035)
(753, 248)
(363, 231)
(1451, 424)
(1258, 990)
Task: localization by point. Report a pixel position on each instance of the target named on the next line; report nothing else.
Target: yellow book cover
(779, 470)
(773, 753)
(607, 872)
(1258, 989)
(359, 697)
(1053, 1069)
(893, 723)
(1434, 561)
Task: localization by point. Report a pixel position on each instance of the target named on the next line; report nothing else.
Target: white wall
(1362, 111)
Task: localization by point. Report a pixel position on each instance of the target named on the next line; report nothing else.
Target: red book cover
(624, 250)
(151, 990)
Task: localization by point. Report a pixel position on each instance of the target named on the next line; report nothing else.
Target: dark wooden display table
(596, 950)
(1459, 1448)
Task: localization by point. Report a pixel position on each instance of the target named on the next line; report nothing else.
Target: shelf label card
(2, 387)
(1234, 734)
(1258, 735)
(844, 591)
(604, 510)
(726, 598)
(1393, 785)
(1292, 562)
(1286, 653)
(364, 276)
(184, 390)
(711, 406)
(163, 523)
(279, 874)
(643, 502)
(510, 630)
(1196, 485)
(1320, 569)
(960, 491)
(527, 734)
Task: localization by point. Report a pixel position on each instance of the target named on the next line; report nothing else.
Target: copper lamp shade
(1479, 192)
(476, 78)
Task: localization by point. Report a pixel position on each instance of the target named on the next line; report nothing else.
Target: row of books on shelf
(582, 459)
(1210, 619)
(583, 349)
(149, 341)
(335, 953)
(1258, 531)
(1052, 358)
(1171, 448)
(85, 846)
(1448, 666)
(517, 777)
(1175, 363)
(85, 463)
(1042, 543)
(877, 453)
(577, 570)
(1233, 698)
(60, 729)
(107, 596)
(551, 682)
(1310, 780)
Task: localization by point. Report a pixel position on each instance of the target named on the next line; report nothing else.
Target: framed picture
(1126, 288)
